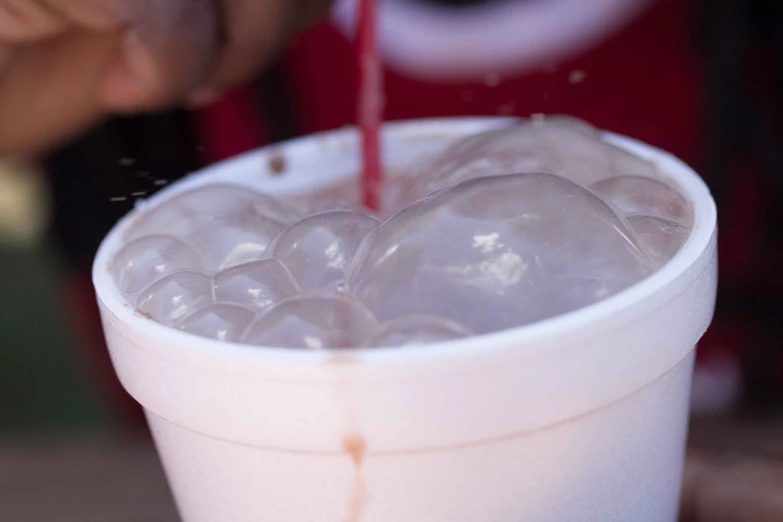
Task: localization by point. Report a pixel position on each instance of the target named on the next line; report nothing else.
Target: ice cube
(396, 184)
(235, 236)
(221, 321)
(144, 260)
(557, 145)
(663, 237)
(328, 205)
(317, 249)
(498, 252)
(313, 322)
(337, 287)
(417, 329)
(344, 193)
(174, 296)
(186, 212)
(257, 284)
(434, 173)
(639, 195)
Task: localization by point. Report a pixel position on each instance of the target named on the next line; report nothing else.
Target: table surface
(105, 479)
(82, 479)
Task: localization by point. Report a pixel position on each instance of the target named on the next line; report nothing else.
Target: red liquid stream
(370, 105)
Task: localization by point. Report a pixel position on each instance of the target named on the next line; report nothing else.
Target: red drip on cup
(370, 105)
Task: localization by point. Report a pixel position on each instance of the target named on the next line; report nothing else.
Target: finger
(253, 32)
(167, 50)
(98, 15)
(28, 20)
(166, 54)
(732, 490)
(5, 56)
(37, 114)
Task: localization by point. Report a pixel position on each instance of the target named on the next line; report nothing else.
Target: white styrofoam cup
(582, 417)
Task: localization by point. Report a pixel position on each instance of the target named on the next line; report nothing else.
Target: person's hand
(732, 489)
(64, 64)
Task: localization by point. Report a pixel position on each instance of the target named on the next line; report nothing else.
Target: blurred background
(700, 79)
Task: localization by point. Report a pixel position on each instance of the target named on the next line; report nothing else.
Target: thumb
(5, 56)
(166, 53)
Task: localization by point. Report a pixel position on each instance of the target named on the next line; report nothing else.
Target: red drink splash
(370, 105)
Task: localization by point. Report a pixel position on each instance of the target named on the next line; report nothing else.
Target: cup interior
(314, 163)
